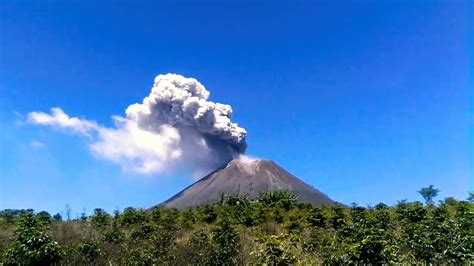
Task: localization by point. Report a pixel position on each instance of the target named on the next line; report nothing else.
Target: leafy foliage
(276, 249)
(428, 193)
(32, 246)
(271, 230)
(282, 198)
(89, 251)
(226, 244)
(100, 218)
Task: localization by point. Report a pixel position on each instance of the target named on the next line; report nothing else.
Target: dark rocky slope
(248, 178)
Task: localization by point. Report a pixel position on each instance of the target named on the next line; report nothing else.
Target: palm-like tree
(429, 193)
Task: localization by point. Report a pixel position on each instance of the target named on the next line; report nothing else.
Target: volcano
(245, 178)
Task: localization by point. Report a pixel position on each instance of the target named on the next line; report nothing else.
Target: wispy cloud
(59, 119)
(37, 144)
(133, 148)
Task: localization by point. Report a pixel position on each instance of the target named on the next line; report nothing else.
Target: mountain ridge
(249, 178)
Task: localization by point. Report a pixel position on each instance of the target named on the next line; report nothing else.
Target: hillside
(245, 178)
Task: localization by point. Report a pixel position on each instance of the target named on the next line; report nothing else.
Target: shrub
(276, 250)
(32, 246)
(132, 216)
(137, 256)
(100, 218)
(317, 218)
(338, 217)
(114, 236)
(197, 250)
(208, 213)
(44, 217)
(226, 244)
(281, 198)
(89, 251)
(228, 234)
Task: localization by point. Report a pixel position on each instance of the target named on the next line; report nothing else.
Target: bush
(197, 250)
(237, 231)
(132, 216)
(137, 256)
(317, 218)
(276, 250)
(226, 244)
(114, 236)
(44, 217)
(100, 218)
(89, 251)
(208, 213)
(281, 198)
(338, 216)
(32, 246)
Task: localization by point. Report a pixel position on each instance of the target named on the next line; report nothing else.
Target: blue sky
(364, 100)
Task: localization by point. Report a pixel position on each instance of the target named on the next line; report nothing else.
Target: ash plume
(183, 102)
(175, 128)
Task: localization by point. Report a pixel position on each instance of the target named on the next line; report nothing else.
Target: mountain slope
(245, 178)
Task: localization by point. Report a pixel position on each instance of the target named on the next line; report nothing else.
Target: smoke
(246, 159)
(175, 128)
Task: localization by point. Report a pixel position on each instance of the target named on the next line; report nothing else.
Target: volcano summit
(247, 178)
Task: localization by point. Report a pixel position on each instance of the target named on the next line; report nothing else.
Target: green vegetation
(428, 193)
(273, 230)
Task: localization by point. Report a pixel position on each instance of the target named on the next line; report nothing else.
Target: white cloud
(136, 149)
(128, 145)
(59, 119)
(37, 144)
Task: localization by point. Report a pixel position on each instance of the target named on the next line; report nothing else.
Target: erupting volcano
(246, 178)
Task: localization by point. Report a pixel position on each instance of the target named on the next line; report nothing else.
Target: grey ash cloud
(175, 128)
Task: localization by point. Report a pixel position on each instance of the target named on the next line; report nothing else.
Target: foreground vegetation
(273, 230)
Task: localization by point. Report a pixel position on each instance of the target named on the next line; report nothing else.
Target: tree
(9, 216)
(429, 193)
(132, 216)
(68, 212)
(271, 231)
(100, 218)
(57, 217)
(32, 246)
(226, 244)
(471, 196)
(83, 216)
(44, 217)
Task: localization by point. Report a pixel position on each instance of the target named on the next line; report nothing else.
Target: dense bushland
(273, 230)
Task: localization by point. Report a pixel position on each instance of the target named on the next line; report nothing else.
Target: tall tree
(429, 193)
